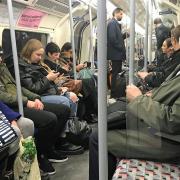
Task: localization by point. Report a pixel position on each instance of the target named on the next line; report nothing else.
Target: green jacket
(162, 110)
(148, 116)
(8, 92)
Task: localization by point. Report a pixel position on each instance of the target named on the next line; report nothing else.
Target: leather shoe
(69, 149)
(91, 119)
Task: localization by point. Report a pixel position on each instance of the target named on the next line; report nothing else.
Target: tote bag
(26, 164)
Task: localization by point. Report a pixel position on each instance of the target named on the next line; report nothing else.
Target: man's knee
(49, 120)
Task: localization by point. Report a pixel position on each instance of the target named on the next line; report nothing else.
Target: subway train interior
(77, 72)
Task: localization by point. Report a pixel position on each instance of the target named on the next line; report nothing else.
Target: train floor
(76, 168)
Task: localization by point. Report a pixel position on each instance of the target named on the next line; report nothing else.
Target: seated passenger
(52, 59)
(167, 51)
(49, 120)
(22, 127)
(66, 56)
(154, 79)
(39, 79)
(87, 89)
(158, 113)
(163, 113)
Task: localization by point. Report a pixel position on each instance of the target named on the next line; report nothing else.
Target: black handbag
(78, 132)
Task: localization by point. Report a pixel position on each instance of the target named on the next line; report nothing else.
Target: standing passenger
(162, 32)
(116, 51)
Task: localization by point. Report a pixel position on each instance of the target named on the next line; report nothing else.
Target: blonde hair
(31, 46)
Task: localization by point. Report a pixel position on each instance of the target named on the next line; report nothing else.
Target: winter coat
(162, 32)
(115, 41)
(159, 113)
(8, 92)
(161, 73)
(33, 77)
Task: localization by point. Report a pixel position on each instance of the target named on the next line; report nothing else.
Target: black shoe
(70, 149)
(91, 119)
(44, 175)
(55, 156)
(9, 175)
(45, 166)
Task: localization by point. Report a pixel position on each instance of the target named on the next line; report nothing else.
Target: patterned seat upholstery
(133, 169)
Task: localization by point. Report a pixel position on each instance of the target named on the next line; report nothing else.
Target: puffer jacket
(33, 77)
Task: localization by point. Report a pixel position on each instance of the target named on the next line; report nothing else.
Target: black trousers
(116, 68)
(48, 123)
(93, 159)
(89, 91)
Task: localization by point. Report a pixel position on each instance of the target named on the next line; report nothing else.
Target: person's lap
(133, 144)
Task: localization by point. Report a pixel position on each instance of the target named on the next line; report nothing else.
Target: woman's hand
(142, 75)
(66, 67)
(79, 67)
(52, 76)
(14, 123)
(73, 97)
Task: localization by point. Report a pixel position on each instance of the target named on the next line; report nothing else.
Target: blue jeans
(58, 99)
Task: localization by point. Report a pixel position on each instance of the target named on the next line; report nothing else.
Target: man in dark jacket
(162, 32)
(116, 51)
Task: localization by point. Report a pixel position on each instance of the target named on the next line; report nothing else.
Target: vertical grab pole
(127, 45)
(132, 40)
(72, 38)
(146, 37)
(150, 33)
(15, 57)
(102, 88)
(91, 39)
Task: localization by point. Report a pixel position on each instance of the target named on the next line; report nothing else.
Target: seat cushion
(133, 169)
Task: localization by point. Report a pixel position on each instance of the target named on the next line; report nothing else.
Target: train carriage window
(21, 38)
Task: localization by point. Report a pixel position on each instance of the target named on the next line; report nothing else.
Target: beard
(119, 18)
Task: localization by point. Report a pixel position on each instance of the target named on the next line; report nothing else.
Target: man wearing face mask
(116, 51)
